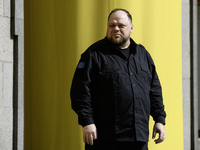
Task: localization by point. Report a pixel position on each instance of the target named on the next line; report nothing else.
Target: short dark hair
(120, 9)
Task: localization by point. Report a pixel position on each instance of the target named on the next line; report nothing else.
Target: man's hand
(89, 134)
(159, 128)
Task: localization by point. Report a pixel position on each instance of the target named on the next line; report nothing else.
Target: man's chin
(116, 41)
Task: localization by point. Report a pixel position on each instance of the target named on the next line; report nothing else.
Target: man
(115, 89)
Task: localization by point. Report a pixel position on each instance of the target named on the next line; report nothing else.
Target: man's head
(119, 27)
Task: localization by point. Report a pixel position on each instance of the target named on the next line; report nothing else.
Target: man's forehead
(118, 16)
(114, 21)
(119, 19)
(119, 13)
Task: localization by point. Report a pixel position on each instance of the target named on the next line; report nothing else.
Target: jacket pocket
(145, 76)
(109, 69)
(106, 74)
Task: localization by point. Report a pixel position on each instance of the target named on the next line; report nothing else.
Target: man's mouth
(117, 35)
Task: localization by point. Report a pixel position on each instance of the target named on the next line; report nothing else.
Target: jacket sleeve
(157, 107)
(80, 90)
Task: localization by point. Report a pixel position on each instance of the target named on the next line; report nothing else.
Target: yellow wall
(58, 31)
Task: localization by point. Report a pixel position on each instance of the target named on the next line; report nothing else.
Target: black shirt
(117, 94)
(125, 52)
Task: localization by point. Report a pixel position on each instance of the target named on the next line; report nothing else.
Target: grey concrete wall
(186, 72)
(6, 78)
(195, 75)
(19, 73)
(190, 74)
(198, 25)
(11, 74)
(199, 58)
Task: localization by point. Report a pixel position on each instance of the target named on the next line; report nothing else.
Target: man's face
(119, 29)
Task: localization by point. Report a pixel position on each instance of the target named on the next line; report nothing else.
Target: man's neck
(125, 45)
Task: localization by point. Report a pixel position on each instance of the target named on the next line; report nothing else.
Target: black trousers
(117, 145)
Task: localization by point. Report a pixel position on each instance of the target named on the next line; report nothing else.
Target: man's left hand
(159, 128)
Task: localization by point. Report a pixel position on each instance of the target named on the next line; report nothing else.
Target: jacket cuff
(85, 122)
(160, 119)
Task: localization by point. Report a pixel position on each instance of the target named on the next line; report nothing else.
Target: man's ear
(131, 28)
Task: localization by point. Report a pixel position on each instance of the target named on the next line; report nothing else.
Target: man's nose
(116, 28)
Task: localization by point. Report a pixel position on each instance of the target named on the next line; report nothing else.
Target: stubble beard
(118, 41)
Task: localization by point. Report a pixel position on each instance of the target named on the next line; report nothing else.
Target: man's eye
(112, 26)
(121, 26)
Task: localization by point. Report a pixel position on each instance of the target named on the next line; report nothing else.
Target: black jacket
(117, 94)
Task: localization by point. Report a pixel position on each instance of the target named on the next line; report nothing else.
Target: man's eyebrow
(116, 23)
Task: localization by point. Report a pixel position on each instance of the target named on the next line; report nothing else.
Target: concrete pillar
(190, 74)
(186, 72)
(11, 74)
(6, 78)
(198, 71)
(18, 98)
(194, 73)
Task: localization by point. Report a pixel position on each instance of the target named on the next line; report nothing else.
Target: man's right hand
(89, 134)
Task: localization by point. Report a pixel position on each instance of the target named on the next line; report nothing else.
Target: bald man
(115, 89)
